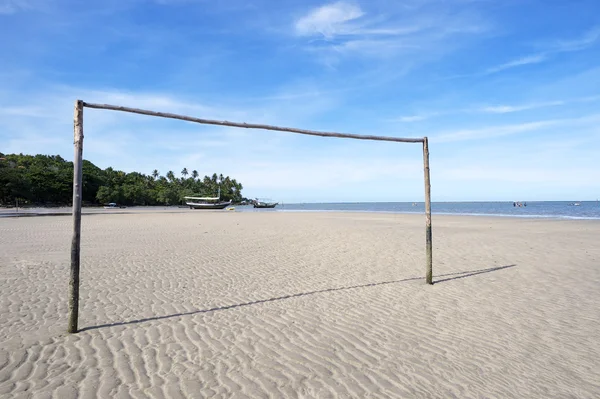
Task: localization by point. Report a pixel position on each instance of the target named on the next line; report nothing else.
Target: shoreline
(31, 212)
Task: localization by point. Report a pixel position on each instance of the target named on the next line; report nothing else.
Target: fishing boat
(207, 202)
(264, 204)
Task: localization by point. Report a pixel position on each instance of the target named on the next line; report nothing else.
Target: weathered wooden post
(428, 236)
(76, 242)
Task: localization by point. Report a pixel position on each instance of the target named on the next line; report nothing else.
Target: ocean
(541, 209)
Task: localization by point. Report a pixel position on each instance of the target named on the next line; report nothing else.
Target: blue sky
(507, 91)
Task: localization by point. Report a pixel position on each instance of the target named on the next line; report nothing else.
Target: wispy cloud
(530, 59)
(13, 6)
(28, 111)
(490, 132)
(329, 20)
(414, 118)
(210, 6)
(494, 109)
(505, 109)
(341, 172)
(573, 177)
(560, 46)
(343, 28)
(587, 40)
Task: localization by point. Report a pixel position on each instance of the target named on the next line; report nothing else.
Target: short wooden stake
(76, 242)
(428, 235)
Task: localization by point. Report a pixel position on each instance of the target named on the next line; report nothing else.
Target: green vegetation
(48, 180)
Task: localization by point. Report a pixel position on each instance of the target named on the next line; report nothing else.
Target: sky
(508, 92)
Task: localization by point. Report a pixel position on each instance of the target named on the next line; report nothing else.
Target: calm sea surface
(546, 209)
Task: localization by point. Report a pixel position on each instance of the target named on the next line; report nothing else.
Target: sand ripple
(239, 305)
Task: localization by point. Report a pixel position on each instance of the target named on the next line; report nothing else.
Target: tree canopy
(48, 180)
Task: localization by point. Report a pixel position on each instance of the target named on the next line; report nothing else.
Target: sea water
(542, 209)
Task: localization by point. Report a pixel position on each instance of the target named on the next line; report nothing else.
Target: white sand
(310, 305)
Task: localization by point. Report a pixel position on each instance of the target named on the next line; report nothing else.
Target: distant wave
(530, 216)
(534, 210)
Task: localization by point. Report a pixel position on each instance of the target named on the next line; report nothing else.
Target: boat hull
(219, 205)
(265, 205)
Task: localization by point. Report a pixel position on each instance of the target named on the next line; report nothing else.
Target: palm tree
(184, 172)
(170, 175)
(194, 174)
(155, 174)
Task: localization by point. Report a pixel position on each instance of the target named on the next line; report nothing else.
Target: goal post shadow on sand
(78, 175)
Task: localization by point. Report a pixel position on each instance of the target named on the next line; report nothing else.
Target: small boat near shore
(264, 204)
(207, 202)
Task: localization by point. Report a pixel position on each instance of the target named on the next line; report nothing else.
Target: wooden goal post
(78, 174)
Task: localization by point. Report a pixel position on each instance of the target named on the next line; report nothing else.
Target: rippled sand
(309, 305)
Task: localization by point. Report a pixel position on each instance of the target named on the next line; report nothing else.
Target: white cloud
(381, 48)
(561, 46)
(29, 111)
(512, 129)
(504, 109)
(13, 6)
(344, 29)
(494, 109)
(531, 59)
(413, 118)
(418, 117)
(588, 39)
(491, 132)
(510, 174)
(328, 20)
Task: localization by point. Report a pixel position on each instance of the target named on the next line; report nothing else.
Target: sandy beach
(300, 305)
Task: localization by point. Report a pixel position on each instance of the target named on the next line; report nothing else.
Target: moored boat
(264, 204)
(207, 202)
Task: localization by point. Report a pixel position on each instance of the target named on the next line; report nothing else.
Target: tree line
(48, 180)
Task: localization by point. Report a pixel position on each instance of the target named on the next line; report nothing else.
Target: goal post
(78, 174)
